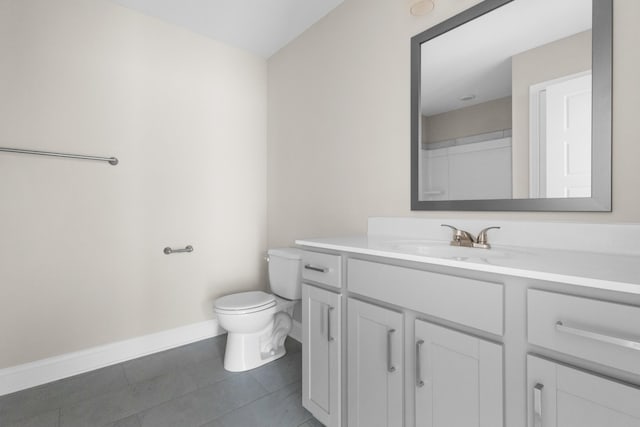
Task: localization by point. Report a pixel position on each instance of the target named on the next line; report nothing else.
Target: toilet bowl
(257, 322)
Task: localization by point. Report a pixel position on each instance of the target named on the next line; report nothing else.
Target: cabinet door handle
(329, 310)
(419, 381)
(537, 405)
(316, 268)
(621, 342)
(390, 367)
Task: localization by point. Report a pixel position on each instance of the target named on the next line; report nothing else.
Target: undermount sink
(439, 249)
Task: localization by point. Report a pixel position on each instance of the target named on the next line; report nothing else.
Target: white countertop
(597, 270)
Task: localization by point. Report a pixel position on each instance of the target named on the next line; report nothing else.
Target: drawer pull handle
(419, 381)
(621, 342)
(329, 310)
(390, 367)
(316, 268)
(537, 405)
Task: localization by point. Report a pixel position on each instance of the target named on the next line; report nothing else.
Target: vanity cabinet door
(375, 365)
(560, 396)
(321, 354)
(458, 379)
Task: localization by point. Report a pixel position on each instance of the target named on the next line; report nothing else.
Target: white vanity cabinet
(603, 332)
(458, 378)
(450, 344)
(375, 366)
(322, 268)
(593, 330)
(561, 396)
(321, 354)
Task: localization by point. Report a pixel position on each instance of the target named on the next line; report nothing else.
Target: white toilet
(258, 322)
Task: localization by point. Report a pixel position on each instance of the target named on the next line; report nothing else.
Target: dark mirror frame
(600, 200)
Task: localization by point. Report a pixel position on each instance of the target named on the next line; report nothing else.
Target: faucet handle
(460, 237)
(482, 238)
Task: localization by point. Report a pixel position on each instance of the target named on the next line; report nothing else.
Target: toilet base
(248, 350)
(245, 352)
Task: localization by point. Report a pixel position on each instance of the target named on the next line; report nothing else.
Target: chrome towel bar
(170, 251)
(112, 160)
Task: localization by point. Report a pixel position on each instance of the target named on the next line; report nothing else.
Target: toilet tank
(285, 272)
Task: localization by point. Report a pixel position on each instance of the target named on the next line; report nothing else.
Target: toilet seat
(245, 302)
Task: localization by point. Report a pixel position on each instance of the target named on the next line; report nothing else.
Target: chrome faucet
(466, 239)
(461, 237)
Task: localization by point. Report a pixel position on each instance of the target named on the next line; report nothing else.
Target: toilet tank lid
(290, 253)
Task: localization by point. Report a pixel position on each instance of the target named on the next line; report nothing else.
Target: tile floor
(185, 386)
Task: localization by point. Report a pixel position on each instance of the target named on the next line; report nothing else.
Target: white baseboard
(31, 374)
(296, 331)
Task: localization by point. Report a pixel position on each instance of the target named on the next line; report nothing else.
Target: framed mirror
(511, 108)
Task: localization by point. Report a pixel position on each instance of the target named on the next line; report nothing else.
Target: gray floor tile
(135, 398)
(131, 421)
(48, 419)
(149, 367)
(206, 404)
(312, 422)
(214, 343)
(69, 391)
(219, 345)
(186, 386)
(279, 409)
(279, 373)
(292, 346)
(207, 372)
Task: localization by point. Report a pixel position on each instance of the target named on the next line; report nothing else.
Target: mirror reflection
(505, 105)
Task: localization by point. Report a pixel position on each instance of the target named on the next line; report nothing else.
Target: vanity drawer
(321, 268)
(470, 302)
(600, 331)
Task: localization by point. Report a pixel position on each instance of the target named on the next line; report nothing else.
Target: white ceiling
(259, 26)
(476, 57)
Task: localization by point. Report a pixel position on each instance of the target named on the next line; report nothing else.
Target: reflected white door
(568, 138)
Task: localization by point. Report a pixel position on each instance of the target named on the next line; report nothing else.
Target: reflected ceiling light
(467, 97)
(422, 7)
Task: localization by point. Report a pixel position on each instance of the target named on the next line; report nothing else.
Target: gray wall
(338, 142)
(481, 118)
(81, 260)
